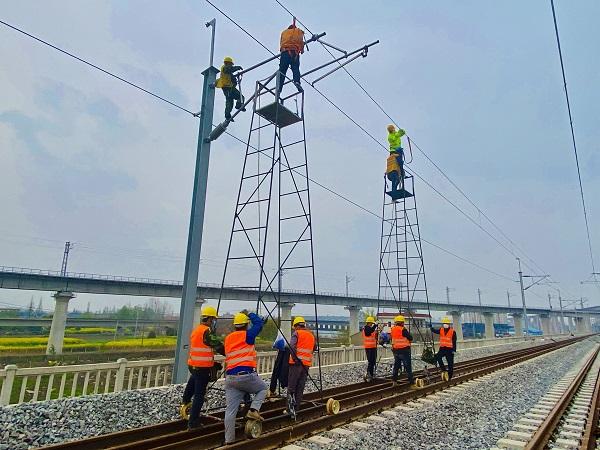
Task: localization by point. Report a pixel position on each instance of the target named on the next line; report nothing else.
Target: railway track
(318, 412)
(566, 418)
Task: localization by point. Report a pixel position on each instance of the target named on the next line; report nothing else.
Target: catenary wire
(376, 140)
(107, 72)
(564, 77)
(316, 89)
(439, 169)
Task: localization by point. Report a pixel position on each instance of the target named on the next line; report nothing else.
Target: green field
(32, 345)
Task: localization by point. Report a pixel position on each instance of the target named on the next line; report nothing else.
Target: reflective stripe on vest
(200, 354)
(238, 352)
(304, 348)
(398, 340)
(369, 341)
(446, 337)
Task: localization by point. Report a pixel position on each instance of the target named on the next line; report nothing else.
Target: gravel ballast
(473, 418)
(33, 425)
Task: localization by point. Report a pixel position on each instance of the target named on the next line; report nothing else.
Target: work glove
(244, 311)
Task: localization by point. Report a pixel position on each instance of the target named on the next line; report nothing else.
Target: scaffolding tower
(401, 264)
(272, 222)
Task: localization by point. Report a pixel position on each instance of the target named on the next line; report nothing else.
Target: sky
(476, 84)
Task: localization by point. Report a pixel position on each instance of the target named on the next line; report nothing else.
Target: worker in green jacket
(397, 152)
(228, 82)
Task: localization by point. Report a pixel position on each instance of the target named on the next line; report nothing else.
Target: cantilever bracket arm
(313, 38)
(541, 278)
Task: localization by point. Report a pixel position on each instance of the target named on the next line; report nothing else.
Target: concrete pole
(198, 310)
(194, 244)
(587, 321)
(580, 325)
(523, 299)
(59, 321)
(354, 327)
(545, 319)
(489, 325)
(286, 320)
(457, 324)
(518, 319)
(571, 324)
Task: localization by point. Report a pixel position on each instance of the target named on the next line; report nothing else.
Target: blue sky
(476, 83)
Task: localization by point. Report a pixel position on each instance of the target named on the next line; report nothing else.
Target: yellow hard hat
(446, 320)
(370, 319)
(209, 311)
(398, 318)
(228, 59)
(240, 319)
(391, 128)
(298, 320)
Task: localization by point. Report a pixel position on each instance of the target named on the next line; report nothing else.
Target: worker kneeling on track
(302, 347)
(241, 377)
(401, 341)
(447, 346)
(201, 362)
(370, 335)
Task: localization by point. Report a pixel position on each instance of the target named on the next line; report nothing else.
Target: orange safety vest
(398, 340)
(304, 348)
(446, 337)
(238, 352)
(369, 341)
(392, 164)
(292, 39)
(200, 355)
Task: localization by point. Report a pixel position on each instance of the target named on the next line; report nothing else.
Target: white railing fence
(20, 385)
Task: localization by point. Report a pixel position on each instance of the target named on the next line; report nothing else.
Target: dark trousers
(371, 360)
(395, 179)
(449, 355)
(196, 388)
(231, 94)
(402, 358)
(296, 381)
(280, 370)
(289, 59)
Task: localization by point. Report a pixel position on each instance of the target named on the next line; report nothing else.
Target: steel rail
(541, 438)
(590, 434)
(171, 435)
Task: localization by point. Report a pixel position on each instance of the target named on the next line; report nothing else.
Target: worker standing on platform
(302, 347)
(291, 45)
(241, 377)
(228, 82)
(281, 366)
(447, 346)
(401, 341)
(369, 334)
(201, 361)
(397, 154)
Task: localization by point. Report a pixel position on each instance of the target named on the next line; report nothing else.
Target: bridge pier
(457, 324)
(546, 328)
(198, 311)
(59, 321)
(489, 325)
(518, 320)
(286, 320)
(353, 325)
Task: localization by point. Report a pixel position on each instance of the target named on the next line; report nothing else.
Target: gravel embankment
(33, 425)
(472, 419)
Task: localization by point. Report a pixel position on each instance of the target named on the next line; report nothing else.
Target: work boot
(254, 415)
(240, 105)
(298, 86)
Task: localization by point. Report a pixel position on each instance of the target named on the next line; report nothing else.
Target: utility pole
(562, 315)
(549, 300)
(525, 321)
(194, 243)
(508, 294)
(65, 260)
(448, 289)
(349, 280)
